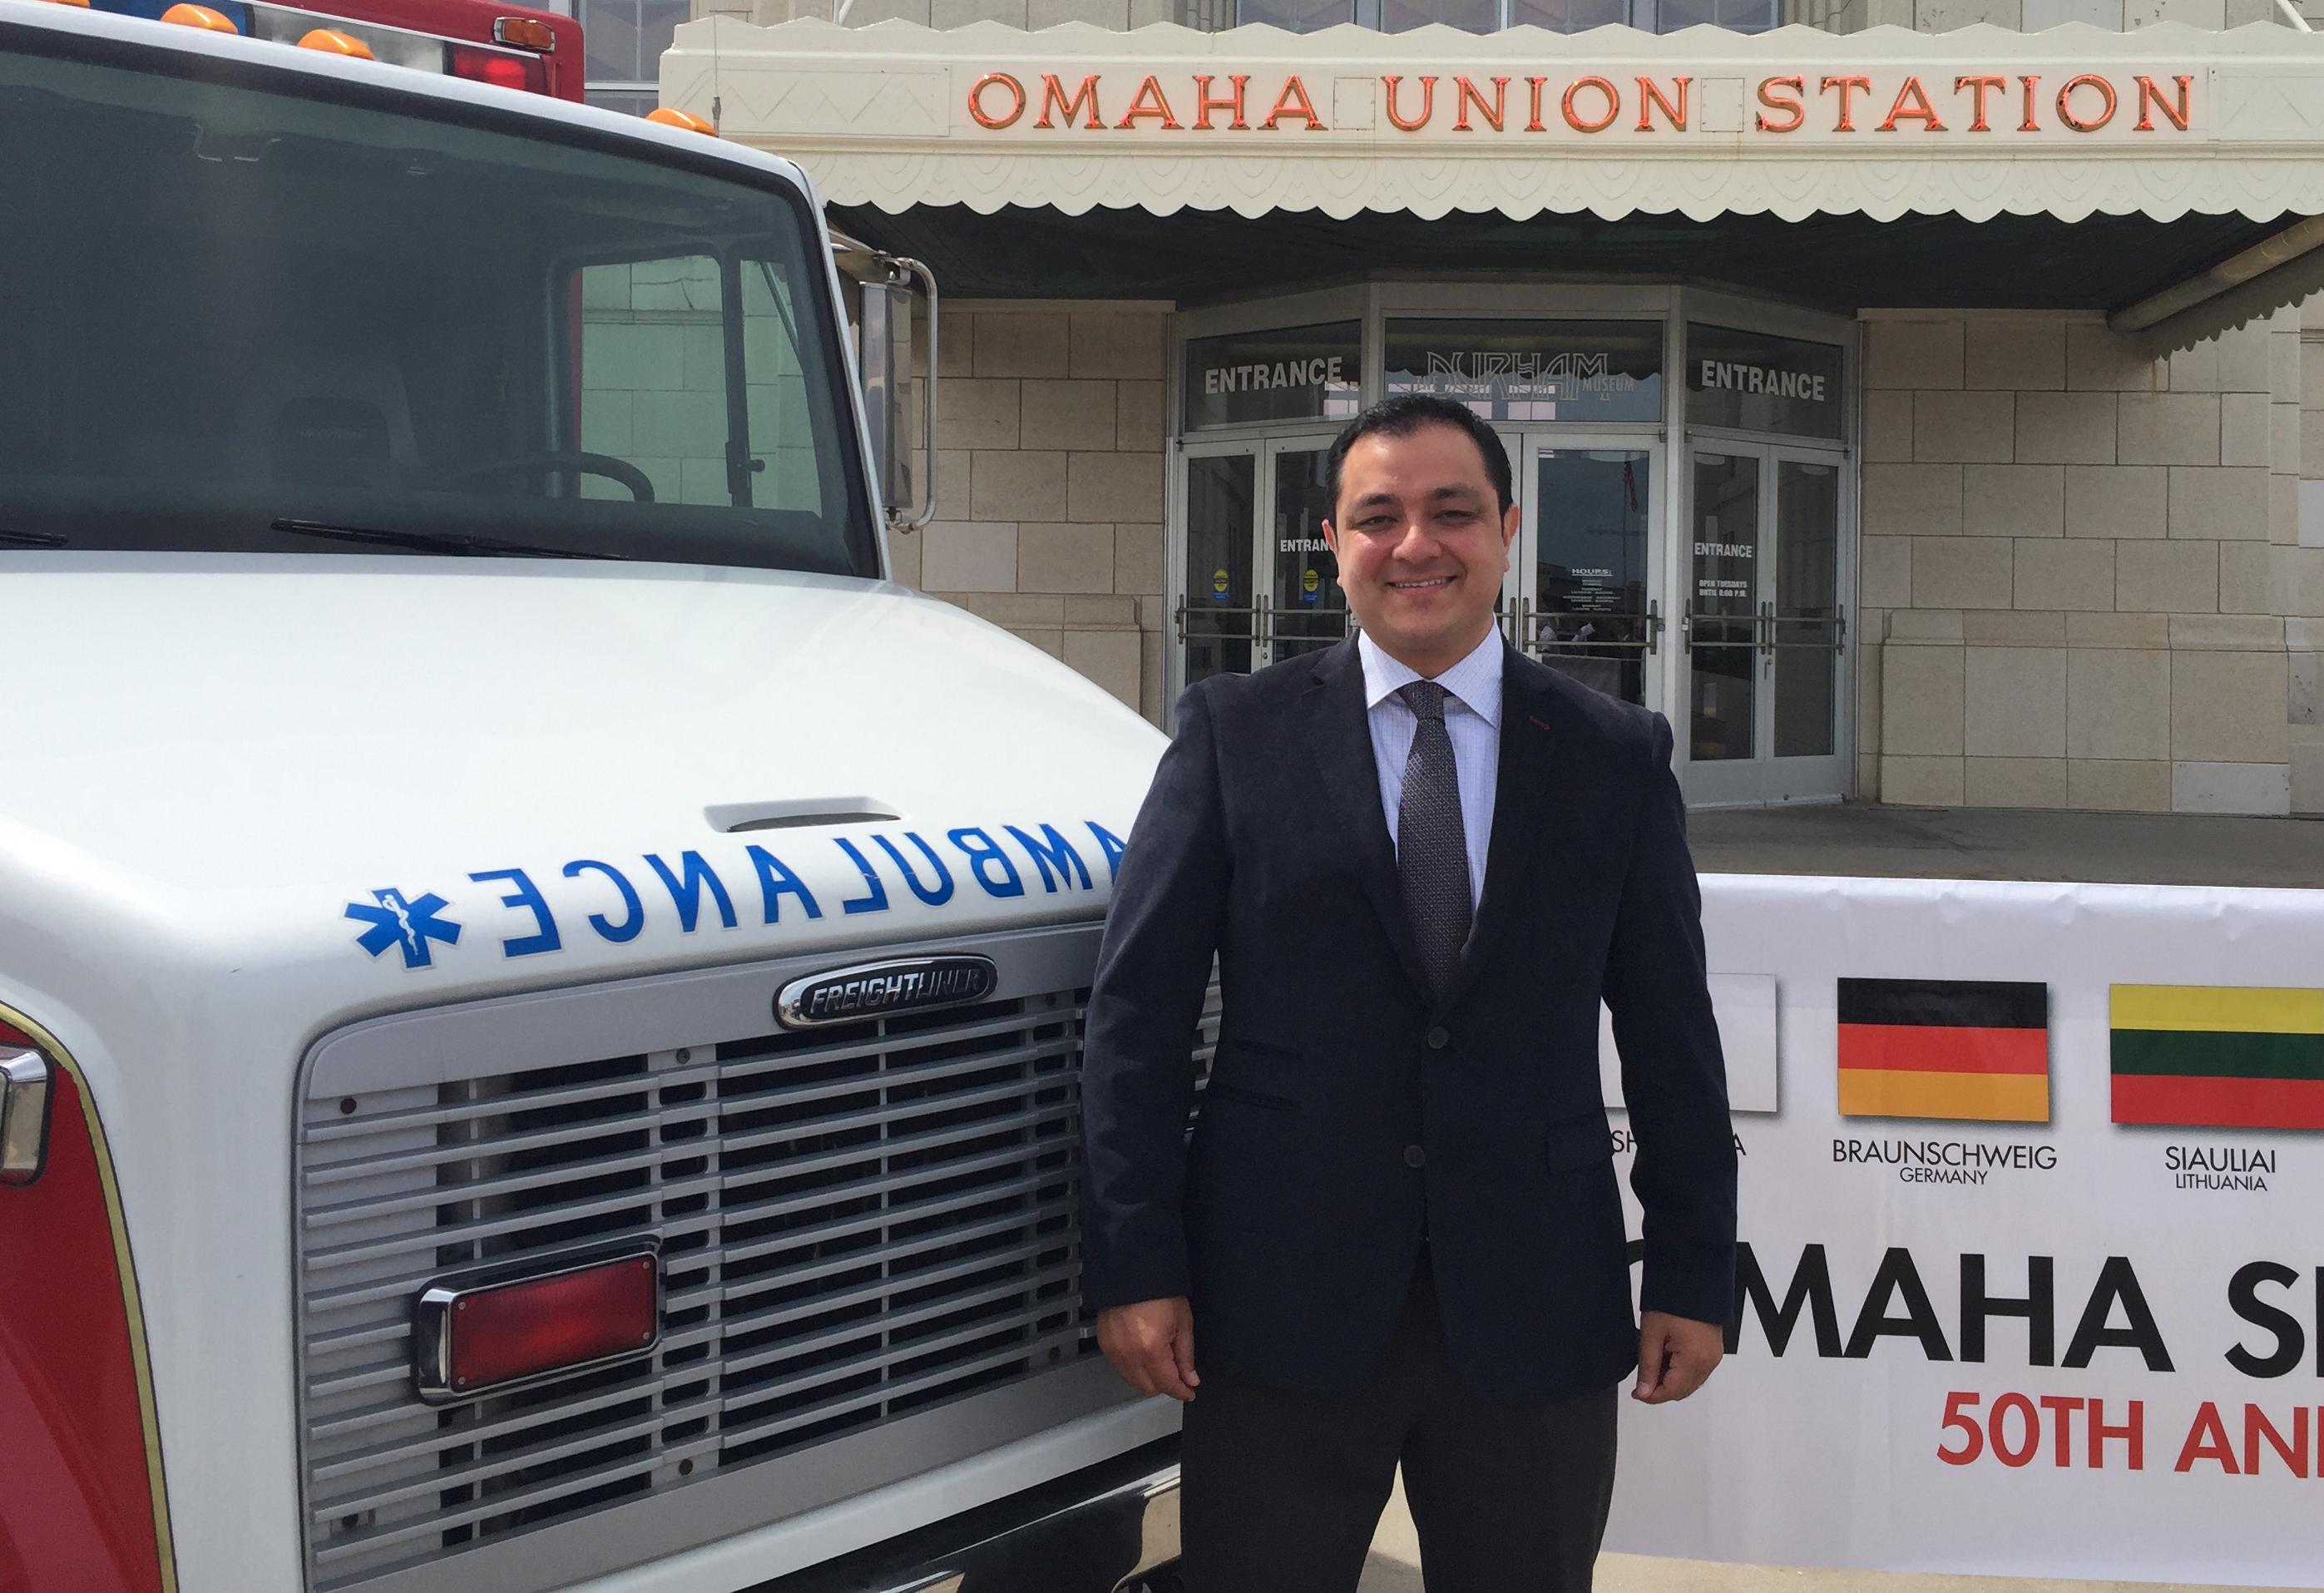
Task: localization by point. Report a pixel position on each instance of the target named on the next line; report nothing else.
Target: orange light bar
(186, 15)
(331, 41)
(82, 4)
(524, 31)
(687, 120)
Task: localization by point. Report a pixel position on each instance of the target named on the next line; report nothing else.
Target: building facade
(1908, 415)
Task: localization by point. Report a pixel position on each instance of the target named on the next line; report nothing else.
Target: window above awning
(2206, 149)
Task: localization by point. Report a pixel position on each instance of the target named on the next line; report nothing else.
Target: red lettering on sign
(1533, 120)
(1427, 103)
(1150, 101)
(984, 118)
(2206, 1440)
(1978, 89)
(1792, 105)
(1293, 102)
(1650, 99)
(1847, 86)
(2105, 103)
(2133, 1434)
(1613, 104)
(1465, 95)
(1205, 102)
(2028, 123)
(2150, 99)
(1912, 105)
(1084, 99)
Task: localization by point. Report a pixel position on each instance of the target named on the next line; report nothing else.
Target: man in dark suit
(1421, 859)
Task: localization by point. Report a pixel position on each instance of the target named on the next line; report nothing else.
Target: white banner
(2066, 1323)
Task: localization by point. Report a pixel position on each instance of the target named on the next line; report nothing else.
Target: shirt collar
(1475, 682)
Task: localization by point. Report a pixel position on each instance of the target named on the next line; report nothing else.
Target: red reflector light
(472, 1339)
(497, 66)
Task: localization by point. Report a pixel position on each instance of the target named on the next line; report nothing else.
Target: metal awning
(2169, 177)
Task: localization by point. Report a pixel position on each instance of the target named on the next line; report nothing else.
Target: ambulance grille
(856, 1223)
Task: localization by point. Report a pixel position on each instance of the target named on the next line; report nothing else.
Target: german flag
(1944, 1048)
(2218, 1056)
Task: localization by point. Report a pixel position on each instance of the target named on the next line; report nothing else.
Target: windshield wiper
(9, 539)
(433, 541)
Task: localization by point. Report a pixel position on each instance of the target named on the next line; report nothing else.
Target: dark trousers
(1282, 1490)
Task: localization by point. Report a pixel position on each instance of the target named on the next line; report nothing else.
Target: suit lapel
(1339, 733)
(1530, 802)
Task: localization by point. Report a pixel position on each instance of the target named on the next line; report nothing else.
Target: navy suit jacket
(1343, 1105)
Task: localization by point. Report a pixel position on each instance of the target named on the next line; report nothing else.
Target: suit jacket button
(1414, 1157)
(1439, 1038)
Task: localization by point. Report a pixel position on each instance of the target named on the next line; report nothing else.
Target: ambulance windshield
(244, 317)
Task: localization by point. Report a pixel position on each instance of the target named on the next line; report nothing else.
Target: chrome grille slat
(855, 1228)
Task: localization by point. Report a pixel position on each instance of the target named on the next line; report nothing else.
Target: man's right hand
(1152, 1345)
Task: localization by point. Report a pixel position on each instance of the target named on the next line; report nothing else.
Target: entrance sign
(1752, 382)
(2078, 1344)
(1522, 370)
(1298, 374)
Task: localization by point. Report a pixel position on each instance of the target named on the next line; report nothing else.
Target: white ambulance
(540, 994)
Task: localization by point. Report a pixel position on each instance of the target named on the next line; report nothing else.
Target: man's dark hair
(1408, 412)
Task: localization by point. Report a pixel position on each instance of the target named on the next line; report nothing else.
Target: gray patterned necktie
(1432, 848)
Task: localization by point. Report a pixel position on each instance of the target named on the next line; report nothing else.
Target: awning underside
(1836, 262)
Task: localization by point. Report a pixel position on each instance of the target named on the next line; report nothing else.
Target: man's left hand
(1676, 1354)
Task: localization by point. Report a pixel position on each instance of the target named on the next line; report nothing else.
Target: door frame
(1520, 599)
(1765, 779)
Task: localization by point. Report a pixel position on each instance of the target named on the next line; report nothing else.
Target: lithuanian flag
(1944, 1048)
(2218, 1056)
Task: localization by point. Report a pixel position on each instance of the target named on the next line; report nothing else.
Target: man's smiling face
(1423, 542)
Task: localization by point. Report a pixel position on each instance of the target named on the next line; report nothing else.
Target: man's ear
(1331, 538)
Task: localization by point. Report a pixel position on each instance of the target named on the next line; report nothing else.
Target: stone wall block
(1912, 499)
(1888, 426)
(2231, 787)
(2248, 429)
(2118, 702)
(1060, 558)
(2014, 782)
(1010, 343)
(967, 557)
(1920, 702)
(977, 413)
(2166, 577)
(2117, 500)
(2118, 787)
(1964, 427)
(2014, 499)
(1921, 782)
(2016, 354)
(1117, 345)
(2014, 703)
(1963, 573)
(1069, 414)
(2066, 427)
(1118, 488)
(2098, 360)
(2229, 708)
(1913, 353)
(2057, 574)
(2169, 428)
(1884, 572)
(2219, 503)
(1017, 486)
(1109, 657)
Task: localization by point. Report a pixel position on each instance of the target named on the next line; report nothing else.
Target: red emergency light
(486, 1333)
(502, 68)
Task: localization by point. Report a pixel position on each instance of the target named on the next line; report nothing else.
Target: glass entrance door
(1304, 610)
(1261, 583)
(1763, 633)
(1218, 622)
(1584, 561)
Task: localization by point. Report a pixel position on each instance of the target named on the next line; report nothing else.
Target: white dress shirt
(1472, 723)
